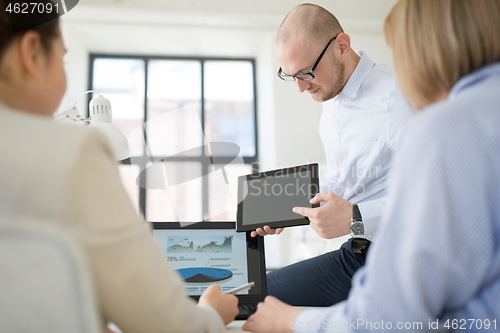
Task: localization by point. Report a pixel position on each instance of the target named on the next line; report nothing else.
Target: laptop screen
(213, 252)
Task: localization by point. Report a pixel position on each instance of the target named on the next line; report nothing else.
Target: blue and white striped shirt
(436, 259)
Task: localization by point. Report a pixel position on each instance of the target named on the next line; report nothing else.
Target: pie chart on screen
(204, 274)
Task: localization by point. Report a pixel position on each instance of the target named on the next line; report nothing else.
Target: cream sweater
(67, 175)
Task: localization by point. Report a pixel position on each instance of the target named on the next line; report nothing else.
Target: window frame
(202, 159)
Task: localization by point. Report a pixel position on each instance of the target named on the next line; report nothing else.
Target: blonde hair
(436, 42)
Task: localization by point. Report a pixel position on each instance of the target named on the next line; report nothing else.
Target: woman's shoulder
(39, 139)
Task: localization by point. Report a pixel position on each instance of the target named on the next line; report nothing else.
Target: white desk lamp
(100, 119)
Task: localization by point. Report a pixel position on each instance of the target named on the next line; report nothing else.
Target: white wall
(287, 121)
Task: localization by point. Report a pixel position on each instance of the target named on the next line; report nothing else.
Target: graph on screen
(204, 244)
(204, 274)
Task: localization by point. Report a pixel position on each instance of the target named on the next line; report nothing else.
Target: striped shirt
(436, 261)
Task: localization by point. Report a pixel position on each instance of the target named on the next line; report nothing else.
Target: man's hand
(266, 231)
(330, 220)
(225, 304)
(272, 316)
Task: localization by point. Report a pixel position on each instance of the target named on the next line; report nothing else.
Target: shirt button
(341, 135)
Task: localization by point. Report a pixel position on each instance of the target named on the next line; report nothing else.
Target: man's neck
(351, 64)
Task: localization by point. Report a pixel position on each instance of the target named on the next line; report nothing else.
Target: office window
(191, 125)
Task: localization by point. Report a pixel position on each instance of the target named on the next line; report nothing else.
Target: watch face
(357, 228)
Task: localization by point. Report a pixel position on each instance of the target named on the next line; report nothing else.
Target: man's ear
(344, 42)
(32, 54)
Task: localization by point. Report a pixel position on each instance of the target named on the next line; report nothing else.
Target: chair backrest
(44, 283)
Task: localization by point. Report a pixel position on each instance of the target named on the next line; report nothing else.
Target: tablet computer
(267, 198)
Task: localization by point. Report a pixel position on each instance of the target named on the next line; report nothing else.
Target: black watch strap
(356, 214)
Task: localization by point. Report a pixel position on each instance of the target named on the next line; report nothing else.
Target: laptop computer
(204, 253)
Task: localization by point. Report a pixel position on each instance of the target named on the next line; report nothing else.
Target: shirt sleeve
(322, 320)
(436, 255)
(437, 230)
(371, 213)
(136, 289)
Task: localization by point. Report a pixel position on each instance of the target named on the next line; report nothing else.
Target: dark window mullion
(144, 157)
(142, 190)
(205, 165)
(204, 185)
(203, 99)
(256, 132)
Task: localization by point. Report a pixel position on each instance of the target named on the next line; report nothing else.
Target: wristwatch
(357, 227)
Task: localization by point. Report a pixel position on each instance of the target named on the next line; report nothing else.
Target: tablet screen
(268, 198)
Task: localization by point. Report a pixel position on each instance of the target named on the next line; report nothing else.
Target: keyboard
(245, 311)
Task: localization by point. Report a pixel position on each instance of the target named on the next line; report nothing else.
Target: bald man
(363, 113)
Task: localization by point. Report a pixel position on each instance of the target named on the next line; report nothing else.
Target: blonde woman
(436, 263)
(67, 177)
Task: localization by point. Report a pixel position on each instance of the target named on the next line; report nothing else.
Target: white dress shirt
(359, 129)
(436, 260)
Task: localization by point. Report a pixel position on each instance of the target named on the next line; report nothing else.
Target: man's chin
(319, 98)
(327, 96)
(322, 96)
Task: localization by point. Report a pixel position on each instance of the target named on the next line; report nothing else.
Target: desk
(235, 326)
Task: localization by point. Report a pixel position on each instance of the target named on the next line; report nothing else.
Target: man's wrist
(348, 217)
(357, 227)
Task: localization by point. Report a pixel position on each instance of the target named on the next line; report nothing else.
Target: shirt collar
(474, 78)
(359, 74)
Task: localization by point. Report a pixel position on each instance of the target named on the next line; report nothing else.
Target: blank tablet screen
(267, 198)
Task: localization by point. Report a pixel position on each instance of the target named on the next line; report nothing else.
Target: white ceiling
(352, 9)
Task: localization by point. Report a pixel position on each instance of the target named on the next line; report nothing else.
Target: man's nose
(302, 85)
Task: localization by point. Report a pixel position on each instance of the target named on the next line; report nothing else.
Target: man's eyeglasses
(306, 76)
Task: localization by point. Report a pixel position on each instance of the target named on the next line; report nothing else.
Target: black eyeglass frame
(296, 76)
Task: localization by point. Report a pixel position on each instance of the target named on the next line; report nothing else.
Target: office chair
(44, 285)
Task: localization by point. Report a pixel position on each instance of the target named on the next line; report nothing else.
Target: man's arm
(333, 219)
(329, 221)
